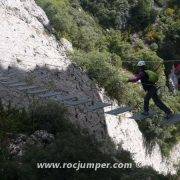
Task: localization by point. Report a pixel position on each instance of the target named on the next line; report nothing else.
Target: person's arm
(136, 78)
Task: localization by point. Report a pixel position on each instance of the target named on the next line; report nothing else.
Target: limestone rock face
(35, 57)
(67, 44)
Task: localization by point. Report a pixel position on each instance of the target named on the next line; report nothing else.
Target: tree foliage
(142, 14)
(109, 13)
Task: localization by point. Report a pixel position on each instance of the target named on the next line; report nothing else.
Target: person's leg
(147, 98)
(159, 103)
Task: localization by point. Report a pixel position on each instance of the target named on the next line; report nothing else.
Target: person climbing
(148, 79)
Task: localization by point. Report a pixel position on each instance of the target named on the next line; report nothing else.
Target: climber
(148, 80)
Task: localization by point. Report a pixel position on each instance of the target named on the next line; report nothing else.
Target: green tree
(142, 14)
(109, 13)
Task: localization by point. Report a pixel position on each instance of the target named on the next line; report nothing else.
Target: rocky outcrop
(37, 58)
(17, 143)
(125, 133)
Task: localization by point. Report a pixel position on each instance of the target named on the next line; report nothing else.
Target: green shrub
(174, 3)
(169, 49)
(71, 22)
(154, 47)
(117, 14)
(14, 120)
(155, 131)
(142, 14)
(109, 14)
(99, 67)
(160, 2)
(117, 44)
(48, 117)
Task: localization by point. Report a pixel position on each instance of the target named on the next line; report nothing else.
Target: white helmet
(141, 63)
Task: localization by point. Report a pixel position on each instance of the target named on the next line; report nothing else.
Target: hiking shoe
(169, 115)
(145, 113)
